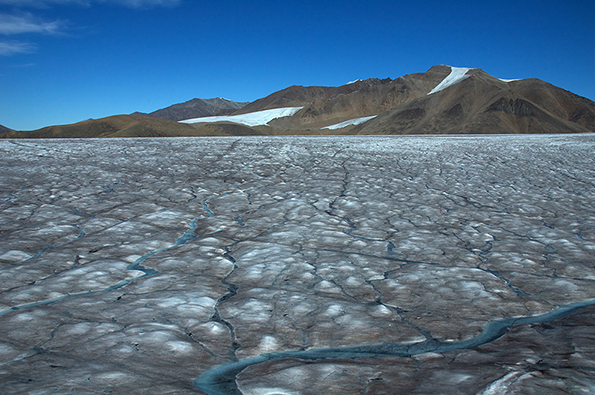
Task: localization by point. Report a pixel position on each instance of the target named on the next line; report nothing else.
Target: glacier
(274, 264)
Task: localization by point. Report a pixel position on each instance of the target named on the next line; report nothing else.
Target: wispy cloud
(23, 22)
(125, 3)
(11, 24)
(12, 48)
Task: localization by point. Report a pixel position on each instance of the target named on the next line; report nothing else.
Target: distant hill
(4, 129)
(132, 126)
(196, 108)
(443, 100)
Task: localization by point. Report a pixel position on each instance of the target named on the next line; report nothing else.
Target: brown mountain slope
(480, 103)
(196, 108)
(133, 126)
(357, 99)
(484, 104)
(293, 96)
(365, 98)
(557, 101)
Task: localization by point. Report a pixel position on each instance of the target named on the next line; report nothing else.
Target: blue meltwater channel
(136, 265)
(221, 379)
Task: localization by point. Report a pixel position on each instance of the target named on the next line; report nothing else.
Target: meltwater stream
(189, 235)
(221, 379)
(136, 265)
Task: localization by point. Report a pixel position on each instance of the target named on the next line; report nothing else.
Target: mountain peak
(196, 108)
(457, 74)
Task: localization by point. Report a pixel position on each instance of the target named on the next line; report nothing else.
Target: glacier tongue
(457, 74)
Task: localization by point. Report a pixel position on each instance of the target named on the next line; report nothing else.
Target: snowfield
(356, 121)
(457, 74)
(257, 118)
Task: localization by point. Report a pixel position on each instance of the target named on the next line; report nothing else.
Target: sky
(65, 61)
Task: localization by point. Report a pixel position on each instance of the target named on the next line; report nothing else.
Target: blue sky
(63, 61)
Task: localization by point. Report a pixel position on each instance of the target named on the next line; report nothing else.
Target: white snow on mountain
(457, 74)
(502, 79)
(355, 121)
(251, 119)
(353, 82)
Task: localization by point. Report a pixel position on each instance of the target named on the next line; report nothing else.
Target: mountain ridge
(195, 108)
(442, 100)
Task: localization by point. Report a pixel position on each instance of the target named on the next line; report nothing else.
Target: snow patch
(502, 79)
(350, 122)
(251, 119)
(457, 74)
(353, 82)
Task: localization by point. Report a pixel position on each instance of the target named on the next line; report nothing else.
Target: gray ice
(135, 265)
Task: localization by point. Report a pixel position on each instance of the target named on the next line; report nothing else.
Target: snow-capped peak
(457, 74)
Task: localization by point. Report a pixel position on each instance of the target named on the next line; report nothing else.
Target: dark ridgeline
(196, 108)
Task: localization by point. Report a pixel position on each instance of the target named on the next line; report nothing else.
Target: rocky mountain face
(484, 104)
(478, 103)
(196, 108)
(443, 100)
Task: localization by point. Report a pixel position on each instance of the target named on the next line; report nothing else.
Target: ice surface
(134, 265)
(251, 119)
(15, 256)
(457, 74)
(355, 121)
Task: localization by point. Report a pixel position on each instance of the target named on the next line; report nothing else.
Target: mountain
(480, 103)
(443, 100)
(4, 129)
(196, 108)
(132, 126)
